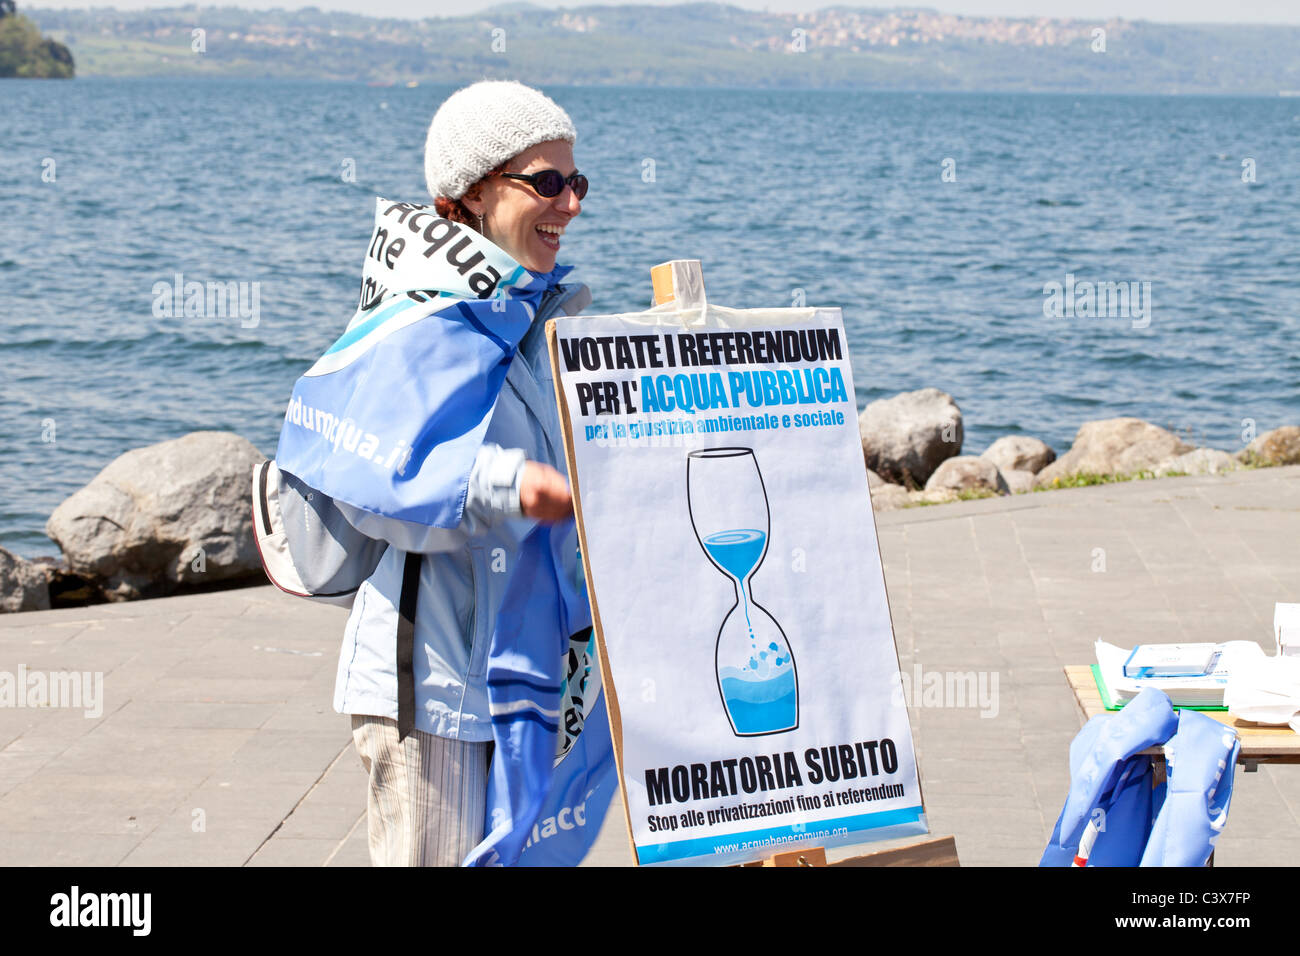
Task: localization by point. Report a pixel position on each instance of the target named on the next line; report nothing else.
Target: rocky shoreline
(165, 519)
(912, 444)
(176, 517)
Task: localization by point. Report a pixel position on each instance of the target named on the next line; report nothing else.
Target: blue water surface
(831, 198)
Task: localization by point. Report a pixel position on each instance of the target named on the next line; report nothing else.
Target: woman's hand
(544, 493)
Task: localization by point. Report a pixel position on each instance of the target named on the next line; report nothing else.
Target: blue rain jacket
(1112, 801)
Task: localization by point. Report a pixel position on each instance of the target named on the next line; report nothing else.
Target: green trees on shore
(24, 53)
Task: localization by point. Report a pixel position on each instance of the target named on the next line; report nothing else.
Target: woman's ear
(473, 199)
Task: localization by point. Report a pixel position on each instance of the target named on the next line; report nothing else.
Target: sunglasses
(549, 183)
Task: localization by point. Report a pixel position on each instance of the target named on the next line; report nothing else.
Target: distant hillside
(25, 53)
(693, 44)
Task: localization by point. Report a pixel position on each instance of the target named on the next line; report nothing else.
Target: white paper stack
(1266, 690)
(1286, 628)
(1202, 691)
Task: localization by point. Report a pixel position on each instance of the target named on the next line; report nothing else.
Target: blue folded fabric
(1110, 784)
(1115, 815)
(1201, 759)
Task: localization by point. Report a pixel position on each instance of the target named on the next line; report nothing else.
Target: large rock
(1019, 482)
(905, 437)
(1114, 446)
(935, 496)
(1019, 453)
(888, 498)
(171, 514)
(968, 473)
(1203, 461)
(1281, 446)
(24, 585)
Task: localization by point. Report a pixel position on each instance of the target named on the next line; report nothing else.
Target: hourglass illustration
(729, 511)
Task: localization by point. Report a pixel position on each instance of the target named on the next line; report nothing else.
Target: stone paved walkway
(218, 745)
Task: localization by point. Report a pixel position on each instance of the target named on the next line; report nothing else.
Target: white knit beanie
(481, 126)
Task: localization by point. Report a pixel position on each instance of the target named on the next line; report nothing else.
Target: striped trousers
(427, 796)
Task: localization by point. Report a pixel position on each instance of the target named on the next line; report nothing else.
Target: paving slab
(217, 745)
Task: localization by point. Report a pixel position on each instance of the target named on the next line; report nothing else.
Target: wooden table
(1260, 743)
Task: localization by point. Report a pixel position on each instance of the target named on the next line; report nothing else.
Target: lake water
(933, 220)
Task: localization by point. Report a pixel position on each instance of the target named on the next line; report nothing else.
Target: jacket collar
(530, 282)
(533, 382)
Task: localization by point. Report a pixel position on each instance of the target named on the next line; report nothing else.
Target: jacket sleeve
(492, 497)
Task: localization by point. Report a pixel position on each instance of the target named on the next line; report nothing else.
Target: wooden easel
(941, 851)
(682, 279)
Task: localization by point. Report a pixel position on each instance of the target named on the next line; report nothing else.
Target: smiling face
(513, 212)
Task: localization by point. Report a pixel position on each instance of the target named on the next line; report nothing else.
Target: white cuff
(505, 475)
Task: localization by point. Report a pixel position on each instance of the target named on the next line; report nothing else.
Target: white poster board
(735, 578)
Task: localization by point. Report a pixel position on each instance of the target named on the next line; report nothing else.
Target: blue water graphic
(738, 551)
(760, 706)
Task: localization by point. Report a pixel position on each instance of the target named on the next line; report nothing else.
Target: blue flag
(553, 772)
(390, 418)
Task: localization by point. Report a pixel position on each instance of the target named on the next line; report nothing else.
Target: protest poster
(735, 578)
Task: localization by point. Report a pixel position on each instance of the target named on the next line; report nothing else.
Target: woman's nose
(568, 201)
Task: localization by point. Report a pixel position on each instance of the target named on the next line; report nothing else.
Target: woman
(499, 161)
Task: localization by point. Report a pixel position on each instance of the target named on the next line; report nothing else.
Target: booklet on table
(1171, 660)
(1202, 692)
